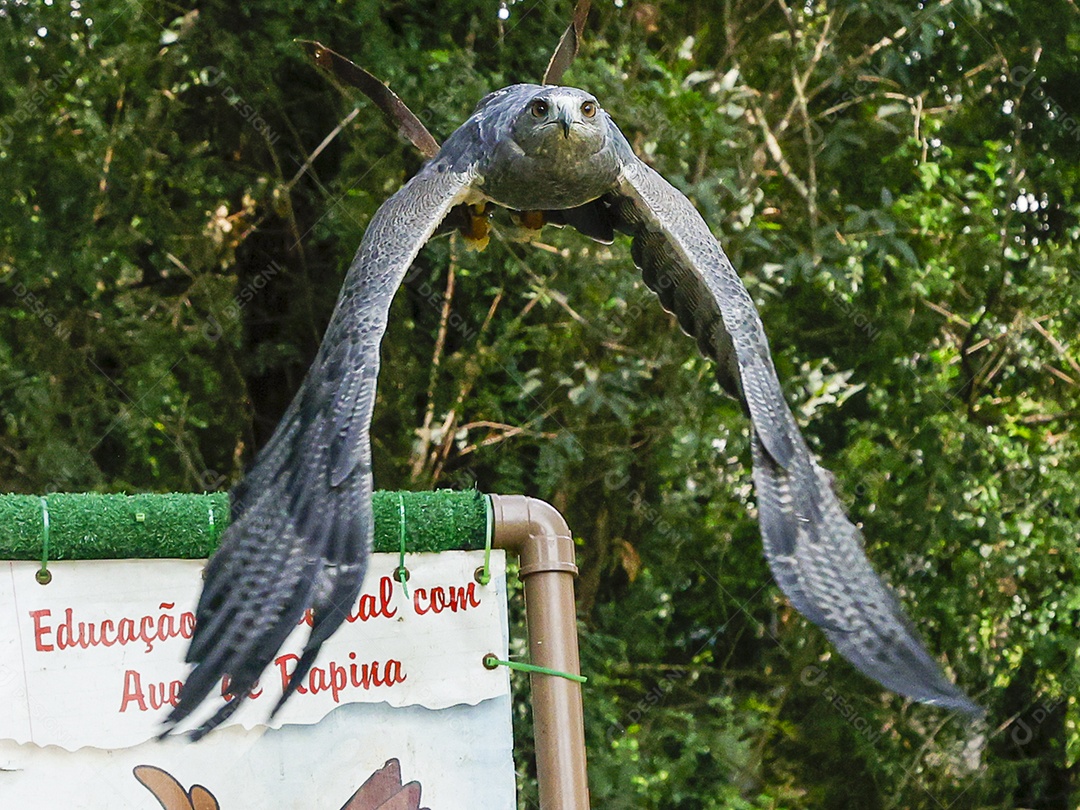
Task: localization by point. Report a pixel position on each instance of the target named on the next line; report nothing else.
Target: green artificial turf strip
(88, 526)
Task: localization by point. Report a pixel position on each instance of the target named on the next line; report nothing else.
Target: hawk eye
(539, 108)
(588, 109)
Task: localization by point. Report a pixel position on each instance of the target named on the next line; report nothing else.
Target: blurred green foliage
(897, 184)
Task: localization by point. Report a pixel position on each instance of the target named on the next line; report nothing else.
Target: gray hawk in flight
(302, 524)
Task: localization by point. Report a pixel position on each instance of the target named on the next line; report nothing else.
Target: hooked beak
(565, 121)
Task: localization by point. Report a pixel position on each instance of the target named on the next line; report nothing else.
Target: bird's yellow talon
(477, 231)
(527, 225)
(533, 220)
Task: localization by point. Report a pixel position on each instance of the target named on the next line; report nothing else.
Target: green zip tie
(485, 575)
(43, 576)
(490, 662)
(401, 572)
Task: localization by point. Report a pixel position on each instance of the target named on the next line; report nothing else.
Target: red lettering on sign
(336, 678)
(438, 599)
(41, 630)
(226, 689)
(152, 697)
(148, 629)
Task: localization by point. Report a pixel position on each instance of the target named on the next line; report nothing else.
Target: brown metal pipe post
(538, 534)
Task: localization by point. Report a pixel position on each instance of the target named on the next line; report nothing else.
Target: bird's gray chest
(552, 180)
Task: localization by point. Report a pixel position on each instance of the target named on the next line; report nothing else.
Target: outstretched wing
(302, 522)
(815, 552)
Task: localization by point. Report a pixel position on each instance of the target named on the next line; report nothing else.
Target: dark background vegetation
(897, 183)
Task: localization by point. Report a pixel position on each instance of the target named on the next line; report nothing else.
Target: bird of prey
(302, 519)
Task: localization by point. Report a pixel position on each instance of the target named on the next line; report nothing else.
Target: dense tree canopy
(182, 193)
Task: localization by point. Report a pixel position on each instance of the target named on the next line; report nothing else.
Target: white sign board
(90, 664)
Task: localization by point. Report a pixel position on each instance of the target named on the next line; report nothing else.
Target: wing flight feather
(815, 552)
(302, 523)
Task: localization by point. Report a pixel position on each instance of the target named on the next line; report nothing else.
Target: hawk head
(559, 123)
